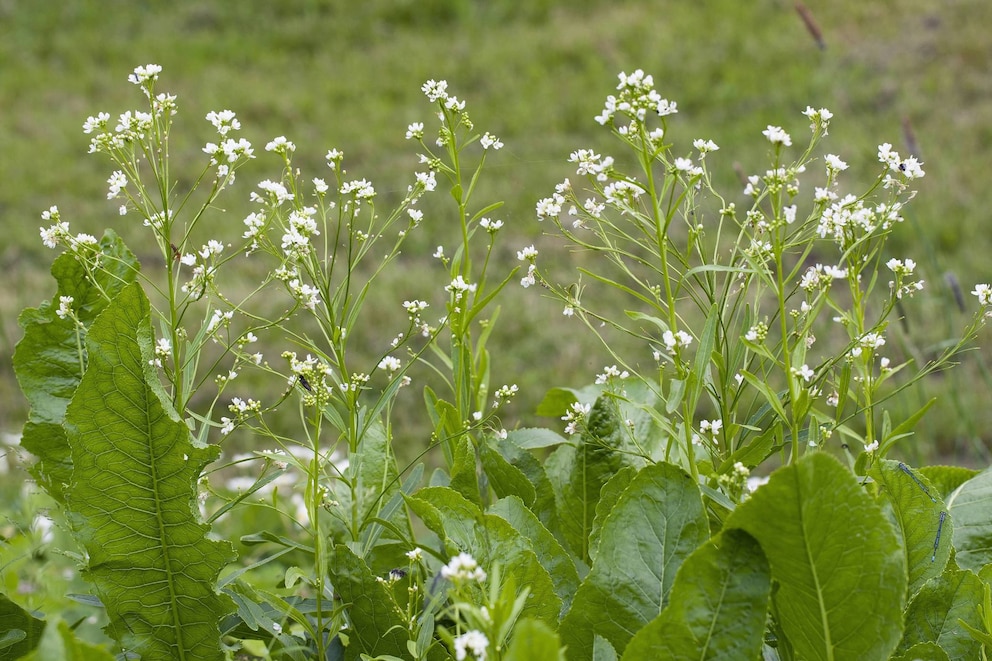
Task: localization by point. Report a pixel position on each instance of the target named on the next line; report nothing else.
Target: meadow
(348, 78)
(490, 526)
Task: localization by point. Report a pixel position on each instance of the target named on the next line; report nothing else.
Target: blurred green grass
(347, 75)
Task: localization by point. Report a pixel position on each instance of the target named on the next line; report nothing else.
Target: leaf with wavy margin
(131, 499)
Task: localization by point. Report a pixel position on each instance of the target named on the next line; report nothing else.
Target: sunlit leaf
(132, 496)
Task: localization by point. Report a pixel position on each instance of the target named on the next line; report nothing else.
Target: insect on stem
(904, 468)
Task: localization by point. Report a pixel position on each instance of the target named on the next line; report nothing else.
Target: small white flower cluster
(163, 349)
(710, 427)
(757, 333)
(390, 364)
(472, 642)
(902, 270)
(505, 393)
(848, 220)
(65, 307)
(528, 254)
(58, 233)
(310, 374)
(984, 294)
(777, 136)
(805, 372)
(550, 207)
(637, 97)
(909, 168)
(819, 277)
(242, 408)
(491, 226)
(610, 373)
(281, 146)
(458, 287)
(463, 567)
(819, 119)
(576, 414)
(676, 341)
(591, 164)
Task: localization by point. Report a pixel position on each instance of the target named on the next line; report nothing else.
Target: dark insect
(175, 252)
(397, 574)
(305, 383)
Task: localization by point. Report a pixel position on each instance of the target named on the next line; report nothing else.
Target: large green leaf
(933, 615)
(656, 523)
(922, 652)
(131, 499)
(717, 606)
(50, 359)
(20, 631)
(377, 625)
(578, 473)
(920, 518)
(489, 539)
(838, 563)
(947, 478)
(550, 553)
(544, 506)
(970, 505)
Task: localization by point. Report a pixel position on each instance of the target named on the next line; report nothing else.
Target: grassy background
(347, 75)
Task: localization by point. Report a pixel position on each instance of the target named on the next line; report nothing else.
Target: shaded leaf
(59, 643)
(919, 515)
(608, 497)
(505, 478)
(489, 539)
(932, 616)
(377, 625)
(717, 606)
(922, 652)
(530, 438)
(579, 472)
(533, 640)
(969, 506)
(947, 478)
(838, 562)
(50, 359)
(131, 499)
(20, 631)
(656, 523)
(552, 556)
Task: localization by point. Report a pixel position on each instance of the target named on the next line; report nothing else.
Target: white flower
(281, 145)
(529, 253)
(416, 555)
(65, 307)
(675, 341)
(415, 131)
(984, 294)
(776, 135)
(609, 373)
(390, 364)
(871, 447)
(463, 567)
(473, 641)
(435, 90)
(804, 372)
(489, 141)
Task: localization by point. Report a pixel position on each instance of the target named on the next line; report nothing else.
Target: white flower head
(777, 135)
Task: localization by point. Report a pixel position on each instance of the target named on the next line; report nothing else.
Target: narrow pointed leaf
(970, 505)
(533, 640)
(933, 615)
(550, 553)
(837, 560)
(656, 523)
(131, 499)
(717, 608)
(920, 519)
